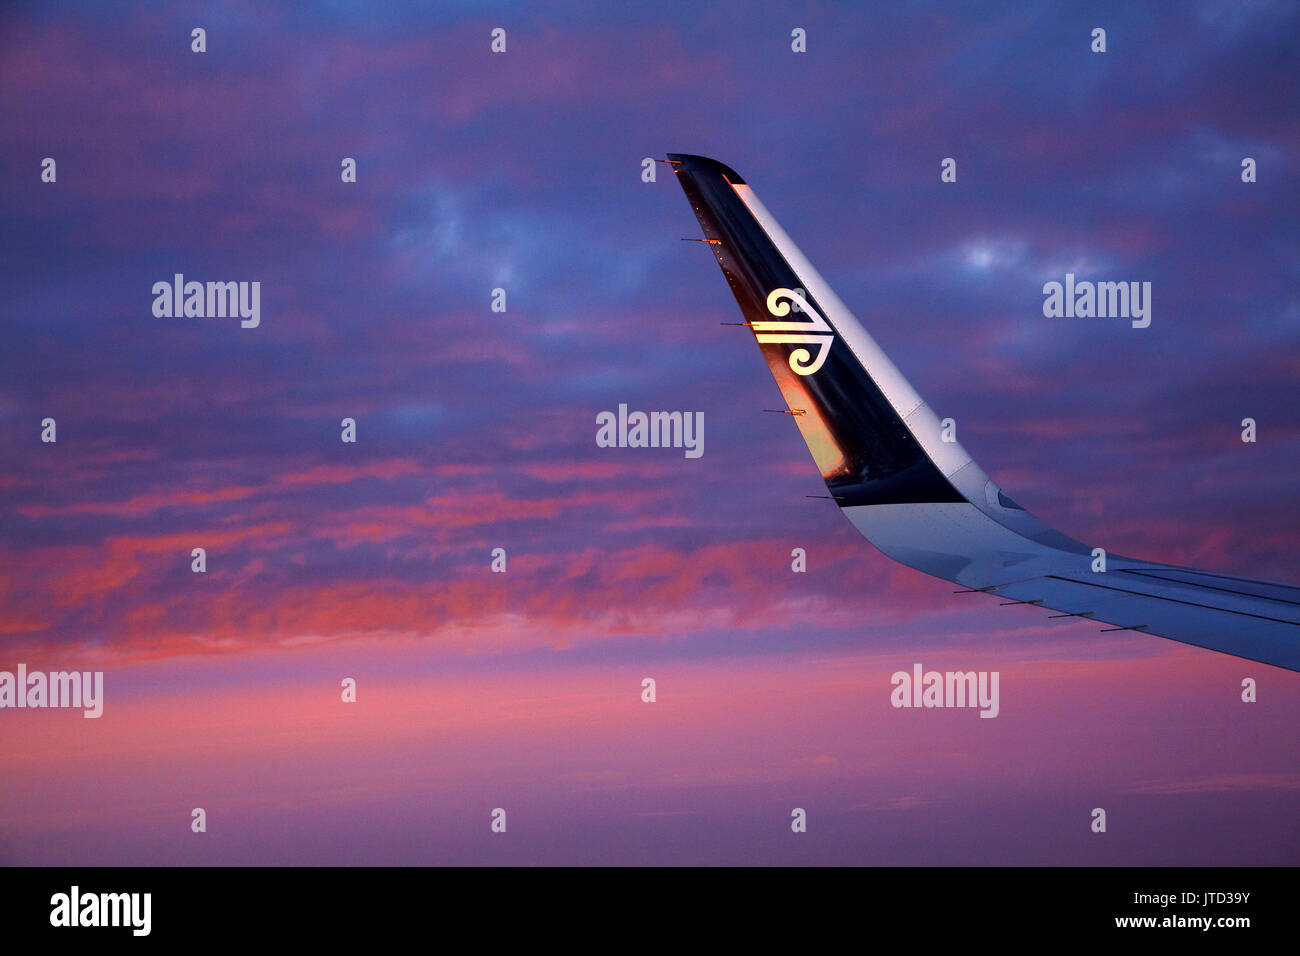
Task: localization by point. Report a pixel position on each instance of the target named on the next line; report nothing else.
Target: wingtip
(691, 163)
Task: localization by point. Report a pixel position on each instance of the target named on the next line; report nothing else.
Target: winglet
(873, 438)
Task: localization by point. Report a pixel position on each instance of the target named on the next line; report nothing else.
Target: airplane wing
(922, 500)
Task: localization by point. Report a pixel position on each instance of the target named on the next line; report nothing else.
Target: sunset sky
(476, 430)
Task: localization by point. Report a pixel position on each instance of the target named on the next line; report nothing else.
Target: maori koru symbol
(813, 332)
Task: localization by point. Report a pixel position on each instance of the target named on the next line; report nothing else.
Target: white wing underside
(959, 543)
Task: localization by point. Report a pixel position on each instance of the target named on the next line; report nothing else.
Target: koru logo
(796, 333)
